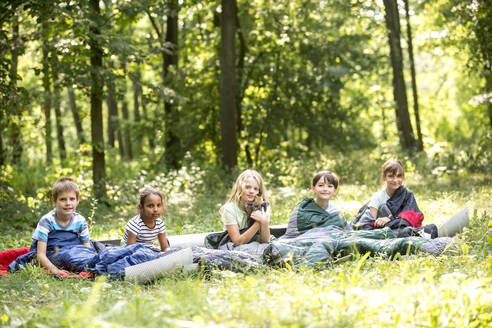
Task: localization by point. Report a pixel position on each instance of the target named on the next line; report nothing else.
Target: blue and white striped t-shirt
(48, 224)
(145, 235)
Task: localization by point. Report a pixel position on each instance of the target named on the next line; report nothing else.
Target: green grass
(411, 291)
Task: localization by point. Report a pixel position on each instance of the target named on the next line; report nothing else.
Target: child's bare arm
(380, 222)
(238, 238)
(87, 244)
(163, 241)
(132, 238)
(374, 212)
(262, 218)
(44, 261)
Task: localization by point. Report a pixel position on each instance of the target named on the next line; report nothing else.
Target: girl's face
(249, 190)
(323, 190)
(152, 208)
(393, 181)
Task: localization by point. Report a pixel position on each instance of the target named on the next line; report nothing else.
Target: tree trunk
(57, 106)
(228, 84)
(126, 135)
(240, 76)
(404, 125)
(112, 108)
(2, 151)
(172, 141)
(16, 138)
(96, 53)
(137, 90)
(47, 92)
(420, 142)
(488, 89)
(146, 118)
(75, 114)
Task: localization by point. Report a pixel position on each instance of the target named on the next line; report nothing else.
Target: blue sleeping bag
(63, 249)
(114, 260)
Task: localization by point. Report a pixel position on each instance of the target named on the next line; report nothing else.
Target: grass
(412, 291)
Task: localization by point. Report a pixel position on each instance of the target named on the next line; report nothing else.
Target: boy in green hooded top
(318, 211)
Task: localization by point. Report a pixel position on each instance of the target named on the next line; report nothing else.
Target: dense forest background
(109, 91)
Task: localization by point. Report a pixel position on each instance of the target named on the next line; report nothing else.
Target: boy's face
(323, 190)
(66, 203)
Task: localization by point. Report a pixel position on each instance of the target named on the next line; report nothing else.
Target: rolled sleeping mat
(184, 241)
(148, 271)
(455, 224)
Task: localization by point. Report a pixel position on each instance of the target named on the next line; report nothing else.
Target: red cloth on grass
(8, 256)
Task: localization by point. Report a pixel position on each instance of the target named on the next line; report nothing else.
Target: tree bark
(172, 141)
(240, 76)
(2, 151)
(112, 108)
(47, 92)
(420, 142)
(16, 126)
(58, 115)
(146, 118)
(404, 125)
(126, 135)
(137, 90)
(228, 84)
(96, 53)
(76, 117)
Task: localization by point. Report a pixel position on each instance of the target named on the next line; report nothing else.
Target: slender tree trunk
(76, 117)
(404, 125)
(114, 128)
(16, 139)
(488, 88)
(172, 141)
(228, 84)
(146, 118)
(57, 106)
(482, 28)
(126, 115)
(112, 108)
(96, 54)
(420, 142)
(137, 90)
(2, 151)
(240, 75)
(47, 92)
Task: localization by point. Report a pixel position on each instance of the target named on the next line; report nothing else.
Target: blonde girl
(249, 186)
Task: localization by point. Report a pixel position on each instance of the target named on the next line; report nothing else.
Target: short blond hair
(64, 185)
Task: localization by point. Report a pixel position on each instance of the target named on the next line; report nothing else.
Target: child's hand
(381, 222)
(259, 216)
(54, 269)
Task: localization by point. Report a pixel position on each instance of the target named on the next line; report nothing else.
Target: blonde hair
(392, 165)
(143, 193)
(235, 195)
(64, 185)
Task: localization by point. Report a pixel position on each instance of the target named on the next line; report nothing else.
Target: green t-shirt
(232, 214)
